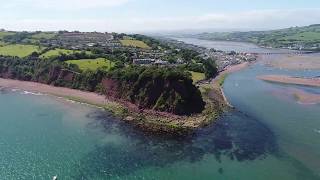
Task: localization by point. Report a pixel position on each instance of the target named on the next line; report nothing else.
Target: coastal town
(223, 59)
(139, 55)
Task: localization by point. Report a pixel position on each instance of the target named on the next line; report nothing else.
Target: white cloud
(257, 19)
(262, 19)
(63, 4)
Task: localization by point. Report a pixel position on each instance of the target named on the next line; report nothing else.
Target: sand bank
(315, 82)
(305, 97)
(296, 62)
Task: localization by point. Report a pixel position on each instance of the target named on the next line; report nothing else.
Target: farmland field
(134, 43)
(92, 64)
(19, 50)
(43, 35)
(3, 34)
(196, 76)
(304, 36)
(57, 52)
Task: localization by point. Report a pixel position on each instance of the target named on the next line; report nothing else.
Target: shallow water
(294, 125)
(268, 136)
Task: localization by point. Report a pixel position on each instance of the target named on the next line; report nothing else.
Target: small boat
(55, 178)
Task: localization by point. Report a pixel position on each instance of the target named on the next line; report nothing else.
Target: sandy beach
(232, 69)
(89, 97)
(315, 82)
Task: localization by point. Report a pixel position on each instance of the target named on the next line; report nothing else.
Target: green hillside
(92, 64)
(305, 38)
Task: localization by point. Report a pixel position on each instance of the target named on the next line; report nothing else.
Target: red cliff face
(56, 73)
(168, 96)
(110, 87)
(66, 75)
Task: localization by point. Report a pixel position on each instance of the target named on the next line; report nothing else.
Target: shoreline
(147, 120)
(218, 81)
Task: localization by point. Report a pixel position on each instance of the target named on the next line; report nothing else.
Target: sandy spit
(315, 82)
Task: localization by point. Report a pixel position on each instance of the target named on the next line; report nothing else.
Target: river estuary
(269, 135)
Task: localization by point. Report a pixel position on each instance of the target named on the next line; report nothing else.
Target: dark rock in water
(235, 136)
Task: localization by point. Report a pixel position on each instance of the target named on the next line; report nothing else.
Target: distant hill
(301, 38)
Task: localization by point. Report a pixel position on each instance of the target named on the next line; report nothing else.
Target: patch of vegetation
(18, 37)
(196, 76)
(92, 64)
(134, 43)
(43, 35)
(19, 50)
(222, 79)
(5, 33)
(57, 52)
(303, 36)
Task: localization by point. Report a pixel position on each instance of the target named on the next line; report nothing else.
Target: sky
(134, 16)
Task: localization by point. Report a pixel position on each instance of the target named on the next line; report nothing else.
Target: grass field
(222, 79)
(3, 34)
(196, 76)
(304, 36)
(57, 52)
(43, 35)
(134, 43)
(19, 50)
(92, 64)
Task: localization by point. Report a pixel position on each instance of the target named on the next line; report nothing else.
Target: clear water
(268, 136)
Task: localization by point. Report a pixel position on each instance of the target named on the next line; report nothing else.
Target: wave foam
(31, 93)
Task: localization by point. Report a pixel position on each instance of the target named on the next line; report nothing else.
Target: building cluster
(305, 46)
(150, 61)
(226, 59)
(82, 40)
(154, 57)
(109, 41)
